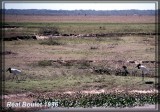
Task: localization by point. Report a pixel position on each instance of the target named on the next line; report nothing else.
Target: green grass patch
(45, 63)
(75, 41)
(87, 28)
(48, 30)
(101, 100)
(76, 80)
(51, 41)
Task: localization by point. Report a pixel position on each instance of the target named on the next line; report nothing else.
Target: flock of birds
(143, 68)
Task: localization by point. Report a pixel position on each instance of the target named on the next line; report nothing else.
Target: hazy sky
(80, 5)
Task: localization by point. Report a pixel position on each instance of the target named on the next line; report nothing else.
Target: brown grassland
(100, 19)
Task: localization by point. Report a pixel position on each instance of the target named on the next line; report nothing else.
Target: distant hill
(78, 12)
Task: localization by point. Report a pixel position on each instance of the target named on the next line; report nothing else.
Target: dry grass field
(65, 64)
(87, 19)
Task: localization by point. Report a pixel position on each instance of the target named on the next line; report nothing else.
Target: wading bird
(121, 72)
(125, 70)
(14, 71)
(143, 69)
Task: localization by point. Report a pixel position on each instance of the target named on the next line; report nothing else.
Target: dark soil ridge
(22, 37)
(107, 34)
(90, 61)
(25, 37)
(103, 66)
(8, 53)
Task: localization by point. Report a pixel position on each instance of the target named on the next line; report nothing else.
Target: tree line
(78, 12)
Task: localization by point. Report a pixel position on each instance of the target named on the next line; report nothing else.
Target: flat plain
(65, 63)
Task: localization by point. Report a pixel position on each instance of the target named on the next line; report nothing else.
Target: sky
(80, 5)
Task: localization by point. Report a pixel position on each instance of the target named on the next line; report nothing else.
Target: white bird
(14, 71)
(144, 70)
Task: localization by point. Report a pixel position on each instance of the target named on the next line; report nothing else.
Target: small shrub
(102, 28)
(84, 64)
(48, 31)
(51, 41)
(116, 38)
(7, 109)
(45, 63)
(93, 47)
(99, 39)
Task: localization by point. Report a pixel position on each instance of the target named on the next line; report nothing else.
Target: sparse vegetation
(48, 31)
(45, 63)
(66, 63)
(41, 64)
(29, 28)
(120, 100)
(51, 41)
(93, 47)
